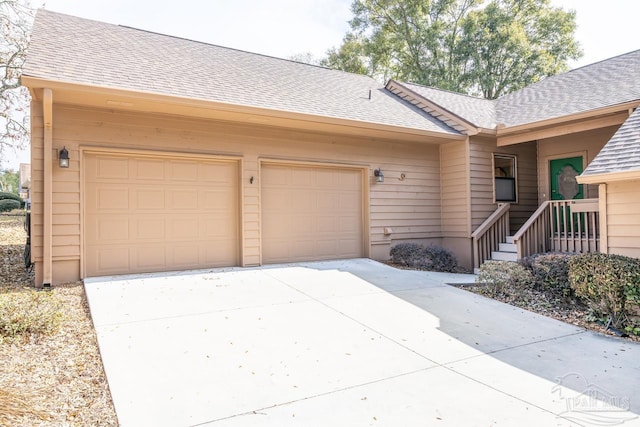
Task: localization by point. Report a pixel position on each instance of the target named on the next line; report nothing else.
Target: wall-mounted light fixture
(63, 158)
(379, 175)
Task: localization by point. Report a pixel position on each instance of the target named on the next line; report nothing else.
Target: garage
(311, 212)
(148, 213)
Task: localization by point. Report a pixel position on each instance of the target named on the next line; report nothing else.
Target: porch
(556, 226)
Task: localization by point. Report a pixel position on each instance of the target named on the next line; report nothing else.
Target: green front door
(564, 185)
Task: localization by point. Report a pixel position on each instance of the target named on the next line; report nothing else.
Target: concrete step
(508, 247)
(504, 256)
(509, 239)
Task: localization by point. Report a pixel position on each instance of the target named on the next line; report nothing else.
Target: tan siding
(481, 171)
(411, 207)
(455, 189)
(587, 144)
(623, 218)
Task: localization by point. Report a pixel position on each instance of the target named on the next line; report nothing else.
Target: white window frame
(514, 159)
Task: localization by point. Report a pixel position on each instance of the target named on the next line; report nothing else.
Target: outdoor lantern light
(379, 175)
(63, 158)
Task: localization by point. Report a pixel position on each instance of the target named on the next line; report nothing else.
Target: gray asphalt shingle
(478, 111)
(606, 83)
(622, 152)
(77, 50)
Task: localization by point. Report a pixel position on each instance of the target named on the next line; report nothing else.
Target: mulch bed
(55, 380)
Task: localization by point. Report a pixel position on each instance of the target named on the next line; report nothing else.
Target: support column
(47, 205)
(604, 221)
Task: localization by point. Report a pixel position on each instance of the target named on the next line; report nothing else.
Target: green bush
(7, 205)
(431, 258)
(28, 313)
(504, 277)
(611, 286)
(550, 272)
(9, 196)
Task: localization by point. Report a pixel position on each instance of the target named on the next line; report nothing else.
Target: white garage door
(311, 213)
(146, 214)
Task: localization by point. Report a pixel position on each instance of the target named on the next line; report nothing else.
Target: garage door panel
(311, 213)
(149, 258)
(114, 228)
(110, 260)
(150, 169)
(181, 228)
(212, 174)
(149, 228)
(216, 200)
(148, 199)
(300, 201)
(159, 214)
(185, 171)
(112, 168)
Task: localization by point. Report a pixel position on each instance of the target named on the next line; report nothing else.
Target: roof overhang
(613, 115)
(609, 177)
(151, 102)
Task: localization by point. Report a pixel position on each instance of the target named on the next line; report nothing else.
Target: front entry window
(505, 178)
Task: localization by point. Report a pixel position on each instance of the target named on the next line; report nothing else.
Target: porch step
(504, 256)
(509, 239)
(508, 247)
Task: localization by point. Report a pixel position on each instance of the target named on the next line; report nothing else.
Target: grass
(28, 314)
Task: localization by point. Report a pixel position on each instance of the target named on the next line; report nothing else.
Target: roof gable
(462, 112)
(622, 152)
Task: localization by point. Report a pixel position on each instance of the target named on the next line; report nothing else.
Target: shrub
(28, 313)
(441, 259)
(504, 277)
(432, 257)
(550, 272)
(9, 205)
(407, 254)
(10, 196)
(611, 286)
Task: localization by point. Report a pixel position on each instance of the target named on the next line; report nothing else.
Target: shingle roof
(75, 50)
(478, 111)
(622, 152)
(606, 83)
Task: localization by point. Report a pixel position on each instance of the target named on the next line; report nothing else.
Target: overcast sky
(286, 27)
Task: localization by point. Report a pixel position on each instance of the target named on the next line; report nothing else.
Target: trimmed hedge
(10, 196)
(550, 272)
(611, 286)
(504, 277)
(432, 257)
(9, 205)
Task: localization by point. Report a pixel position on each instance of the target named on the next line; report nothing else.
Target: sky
(283, 28)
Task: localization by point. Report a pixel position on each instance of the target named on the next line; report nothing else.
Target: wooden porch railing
(560, 226)
(488, 236)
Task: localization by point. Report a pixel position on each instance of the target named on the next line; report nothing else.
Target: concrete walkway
(348, 343)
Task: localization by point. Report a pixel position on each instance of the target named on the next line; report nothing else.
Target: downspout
(47, 205)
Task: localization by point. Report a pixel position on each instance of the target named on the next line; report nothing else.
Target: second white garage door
(159, 213)
(311, 213)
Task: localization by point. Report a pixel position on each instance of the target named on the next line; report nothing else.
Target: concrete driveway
(348, 343)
